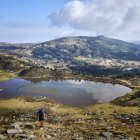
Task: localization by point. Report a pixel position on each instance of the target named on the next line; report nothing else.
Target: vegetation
(107, 56)
(64, 121)
(6, 75)
(119, 119)
(84, 46)
(10, 63)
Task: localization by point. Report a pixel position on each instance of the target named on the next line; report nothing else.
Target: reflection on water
(71, 92)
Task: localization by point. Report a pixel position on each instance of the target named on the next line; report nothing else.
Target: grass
(135, 82)
(6, 75)
(59, 109)
(14, 104)
(68, 114)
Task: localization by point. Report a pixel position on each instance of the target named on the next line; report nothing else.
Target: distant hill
(96, 55)
(69, 47)
(94, 47)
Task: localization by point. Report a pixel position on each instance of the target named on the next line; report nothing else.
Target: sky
(42, 20)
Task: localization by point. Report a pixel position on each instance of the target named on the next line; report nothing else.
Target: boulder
(106, 134)
(29, 126)
(14, 129)
(27, 136)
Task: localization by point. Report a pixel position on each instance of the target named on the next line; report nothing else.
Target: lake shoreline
(92, 122)
(68, 91)
(78, 78)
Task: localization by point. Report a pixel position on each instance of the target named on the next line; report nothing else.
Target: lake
(69, 92)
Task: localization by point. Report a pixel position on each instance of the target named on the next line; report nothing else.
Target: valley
(98, 59)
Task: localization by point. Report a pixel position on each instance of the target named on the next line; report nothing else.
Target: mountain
(82, 53)
(93, 47)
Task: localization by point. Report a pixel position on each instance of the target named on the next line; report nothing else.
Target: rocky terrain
(131, 99)
(103, 121)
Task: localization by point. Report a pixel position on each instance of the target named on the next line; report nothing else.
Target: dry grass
(67, 114)
(108, 108)
(6, 75)
(56, 108)
(135, 82)
(14, 104)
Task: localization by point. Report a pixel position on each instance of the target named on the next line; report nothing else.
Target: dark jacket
(41, 114)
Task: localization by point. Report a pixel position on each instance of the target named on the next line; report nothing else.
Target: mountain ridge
(40, 42)
(93, 44)
(82, 53)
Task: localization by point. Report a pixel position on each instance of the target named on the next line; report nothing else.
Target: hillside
(90, 47)
(102, 121)
(93, 55)
(10, 63)
(116, 120)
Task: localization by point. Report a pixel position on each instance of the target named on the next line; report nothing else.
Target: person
(41, 115)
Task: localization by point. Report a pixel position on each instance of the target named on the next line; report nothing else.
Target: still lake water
(70, 92)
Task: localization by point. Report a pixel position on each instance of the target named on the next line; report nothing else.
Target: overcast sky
(41, 20)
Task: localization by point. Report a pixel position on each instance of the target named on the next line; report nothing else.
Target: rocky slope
(102, 121)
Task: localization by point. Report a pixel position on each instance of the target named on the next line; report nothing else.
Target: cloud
(109, 17)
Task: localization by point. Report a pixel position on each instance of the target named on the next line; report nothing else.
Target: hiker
(41, 116)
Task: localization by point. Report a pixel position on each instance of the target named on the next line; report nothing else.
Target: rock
(3, 137)
(29, 126)
(27, 136)
(106, 134)
(21, 119)
(48, 136)
(80, 138)
(1, 119)
(40, 98)
(56, 120)
(109, 128)
(79, 121)
(6, 120)
(91, 113)
(14, 129)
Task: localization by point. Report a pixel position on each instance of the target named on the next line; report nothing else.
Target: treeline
(9, 63)
(25, 69)
(95, 70)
